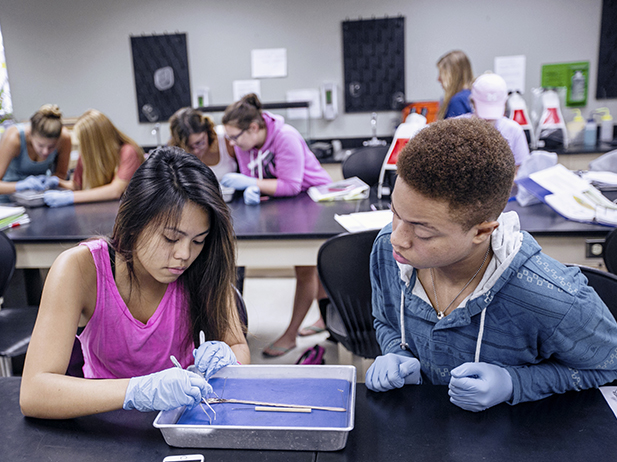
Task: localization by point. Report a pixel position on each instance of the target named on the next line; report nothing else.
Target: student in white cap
(489, 94)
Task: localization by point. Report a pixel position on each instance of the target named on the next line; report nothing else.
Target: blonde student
(34, 156)
(141, 296)
(107, 160)
(196, 133)
(456, 77)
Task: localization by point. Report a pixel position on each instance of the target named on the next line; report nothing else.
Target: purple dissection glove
(238, 181)
(32, 182)
(54, 198)
(478, 386)
(165, 390)
(392, 371)
(212, 356)
(50, 182)
(252, 195)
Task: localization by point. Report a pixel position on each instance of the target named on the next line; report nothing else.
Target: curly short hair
(186, 122)
(463, 161)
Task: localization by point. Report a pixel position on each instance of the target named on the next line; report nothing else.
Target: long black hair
(157, 194)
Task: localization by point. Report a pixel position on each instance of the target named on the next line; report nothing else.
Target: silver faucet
(374, 141)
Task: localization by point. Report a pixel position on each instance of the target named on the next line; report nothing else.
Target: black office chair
(365, 163)
(343, 267)
(16, 324)
(605, 285)
(610, 251)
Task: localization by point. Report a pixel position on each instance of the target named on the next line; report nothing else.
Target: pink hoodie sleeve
(289, 154)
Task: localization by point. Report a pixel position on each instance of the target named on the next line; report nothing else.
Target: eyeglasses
(234, 138)
(198, 145)
(203, 140)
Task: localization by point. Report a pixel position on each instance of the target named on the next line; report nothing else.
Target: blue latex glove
(32, 182)
(478, 386)
(392, 371)
(50, 182)
(238, 181)
(54, 198)
(252, 195)
(212, 356)
(165, 390)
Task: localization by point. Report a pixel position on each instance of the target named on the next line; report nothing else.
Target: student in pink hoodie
(274, 160)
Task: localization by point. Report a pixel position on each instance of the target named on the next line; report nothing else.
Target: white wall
(76, 53)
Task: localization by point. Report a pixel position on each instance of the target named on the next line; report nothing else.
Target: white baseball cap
(489, 93)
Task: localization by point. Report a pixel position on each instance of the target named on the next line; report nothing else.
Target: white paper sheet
(244, 87)
(10, 211)
(512, 69)
(610, 397)
(269, 63)
(312, 96)
(363, 221)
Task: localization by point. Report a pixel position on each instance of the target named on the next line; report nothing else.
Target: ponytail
(47, 121)
(244, 112)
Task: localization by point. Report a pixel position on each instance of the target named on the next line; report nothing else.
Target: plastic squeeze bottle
(576, 127)
(591, 132)
(606, 125)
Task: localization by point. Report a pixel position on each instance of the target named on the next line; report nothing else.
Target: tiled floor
(269, 303)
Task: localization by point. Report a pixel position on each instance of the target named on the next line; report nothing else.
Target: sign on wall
(161, 68)
(574, 77)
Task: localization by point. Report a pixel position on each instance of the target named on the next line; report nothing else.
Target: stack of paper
(349, 189)
(605, 181)
(570, 195)
(11, 217)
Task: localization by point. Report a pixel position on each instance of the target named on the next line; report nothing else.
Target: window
(6, 105)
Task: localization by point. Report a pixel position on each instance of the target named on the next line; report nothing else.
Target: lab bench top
(280, 232)
(108, 437)
(413, 423)
(600, 148)
(275, 218)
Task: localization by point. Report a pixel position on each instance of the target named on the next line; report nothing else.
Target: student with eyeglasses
(274, 160)
(196, 133)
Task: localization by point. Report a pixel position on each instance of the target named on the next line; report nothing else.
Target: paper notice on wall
(244, 87)
(310, 95)
(512, 70)
(269, 63)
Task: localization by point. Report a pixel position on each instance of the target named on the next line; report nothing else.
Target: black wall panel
(374, 64)
(161, 67)
(607, 59)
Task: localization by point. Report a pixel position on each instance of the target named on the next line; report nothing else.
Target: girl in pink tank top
(146, 294)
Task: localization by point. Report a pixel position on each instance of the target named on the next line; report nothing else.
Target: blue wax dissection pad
(304, 391)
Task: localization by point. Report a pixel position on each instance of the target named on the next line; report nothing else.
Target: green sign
(572, 76)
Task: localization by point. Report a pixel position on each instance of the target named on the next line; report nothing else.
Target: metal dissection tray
(29, 198)
(241, 426)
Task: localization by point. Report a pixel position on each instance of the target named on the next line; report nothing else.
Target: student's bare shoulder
(75, 263)
(11, 138)
(65, 138)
